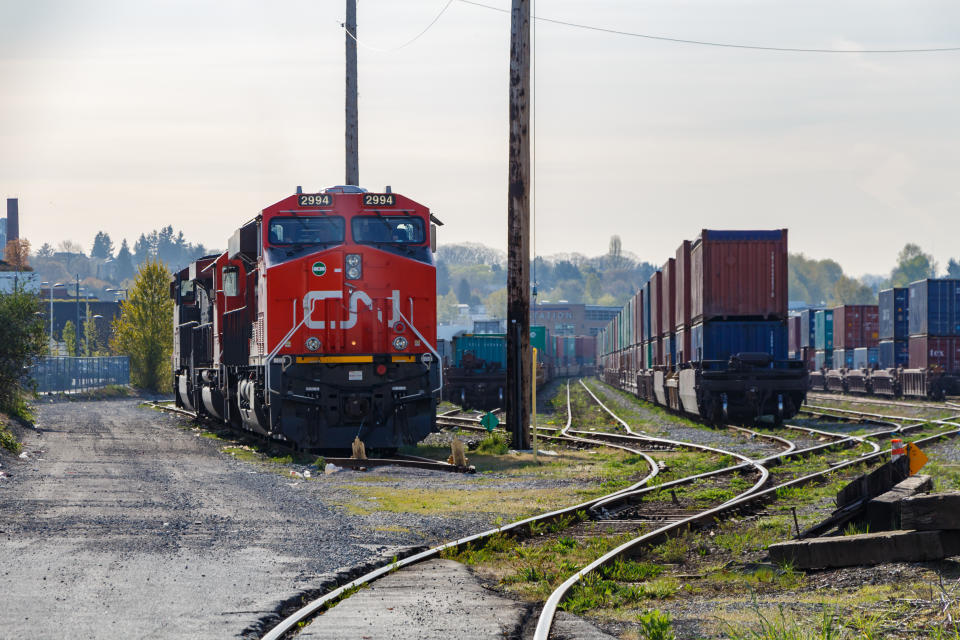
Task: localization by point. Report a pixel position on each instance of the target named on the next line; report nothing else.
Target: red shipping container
(856, 325)
(738, 274)
(942, 354)
(668, 307)
(638, 317)
(656, 296)
(793, 332)
(810, 357)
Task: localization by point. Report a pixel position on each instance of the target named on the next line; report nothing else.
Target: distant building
(29, 279)
(565, 319)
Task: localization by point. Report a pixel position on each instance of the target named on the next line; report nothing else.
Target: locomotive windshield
(387, 229)
(306, 230)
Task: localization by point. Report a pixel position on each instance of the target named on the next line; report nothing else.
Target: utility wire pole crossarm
(518, 230)
(351, 134)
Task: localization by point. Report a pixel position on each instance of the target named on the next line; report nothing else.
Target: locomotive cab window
(306, 230)
(230, 281)
(387, 229)
(186, 290)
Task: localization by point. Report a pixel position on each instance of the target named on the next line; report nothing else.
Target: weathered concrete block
(935, 511)
(867, 549)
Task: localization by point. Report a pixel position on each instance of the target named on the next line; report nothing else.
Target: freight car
(707, 334)
(317, 325)
(917, 338)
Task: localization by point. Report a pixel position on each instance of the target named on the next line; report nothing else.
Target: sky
(127, 116)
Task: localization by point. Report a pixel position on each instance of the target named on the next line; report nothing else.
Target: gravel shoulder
(120, 522)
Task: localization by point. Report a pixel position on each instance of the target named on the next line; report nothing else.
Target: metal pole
(518, 228)
(50, 343)
(76, 331)
(352, 157)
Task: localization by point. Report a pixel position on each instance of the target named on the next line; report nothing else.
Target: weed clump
(494, 444)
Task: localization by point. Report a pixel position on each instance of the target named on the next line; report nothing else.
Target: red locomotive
(317, 325)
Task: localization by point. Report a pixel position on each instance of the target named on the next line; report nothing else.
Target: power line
(405, 44)
(705, 43)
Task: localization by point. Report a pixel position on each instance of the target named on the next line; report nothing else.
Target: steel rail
(291, 621)
(548, 613)
(861, 400)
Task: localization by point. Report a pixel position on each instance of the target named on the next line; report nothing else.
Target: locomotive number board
(379, 200)
(315, 200)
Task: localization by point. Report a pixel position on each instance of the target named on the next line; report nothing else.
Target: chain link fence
(61, 374)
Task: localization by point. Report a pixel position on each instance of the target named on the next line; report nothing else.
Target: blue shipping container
(808, 328)
(866, 357)
(823, 330)
(893, 354)
(720, 339)
(934, 308)
(670, 350)
(823, 359)
(843, 358)
(894, 314)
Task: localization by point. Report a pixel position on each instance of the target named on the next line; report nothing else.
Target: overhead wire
(706, 43)
(405, 44)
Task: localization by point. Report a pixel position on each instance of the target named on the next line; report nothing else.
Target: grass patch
(7, 440)
(495, 444)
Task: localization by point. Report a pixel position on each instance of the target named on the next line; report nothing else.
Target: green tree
(447, 312)
(496, 303)
(143, 328)
(91, 336)
(912, 264)
(69, 337)
(953, 269)
(22, 339)
(124, 262)
(102, 246)
(850, 291)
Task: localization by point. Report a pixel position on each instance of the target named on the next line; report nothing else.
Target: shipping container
(855, 325)
(793, 334)
(656, 300)
(683, 344)
(823, 358)
(934, 308)
(823, 330)
(938, 352)
(809, 357)
(651, 356)
(866, 357)
(739, 274)
(843, 358)
(808, 328)
(638, 317)
(893, 354)
(894, 314)
(720, 339)
(669, 350)
(647, 328)
(668, 306)
(489, 347)
(682, 314)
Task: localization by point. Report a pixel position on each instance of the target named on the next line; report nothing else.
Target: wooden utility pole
(353, 157)
(518, 230)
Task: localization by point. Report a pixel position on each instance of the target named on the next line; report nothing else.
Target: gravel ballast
(121, 523)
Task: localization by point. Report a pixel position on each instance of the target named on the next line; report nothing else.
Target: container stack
(793, 338)
(823, 339)
(738, 294)
(668, 314)
(934, 312)
(808, 337)
(656, 302)
(894, 329)
(682, 320)
(855, 326)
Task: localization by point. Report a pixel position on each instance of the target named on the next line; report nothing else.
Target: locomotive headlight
(399, 343)
(354, 266)
(312, 343)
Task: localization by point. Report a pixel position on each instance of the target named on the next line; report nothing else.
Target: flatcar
(317, 325)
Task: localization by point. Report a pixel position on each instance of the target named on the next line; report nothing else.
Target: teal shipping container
(823, 330)
(538, 338)
(488, 347)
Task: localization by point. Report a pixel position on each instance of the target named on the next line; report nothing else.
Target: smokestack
(13, 220)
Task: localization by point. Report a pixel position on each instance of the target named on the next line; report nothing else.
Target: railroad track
(843, 397)
(396, 460)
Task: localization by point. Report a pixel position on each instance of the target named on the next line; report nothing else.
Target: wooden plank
(875, 483)
(867, 549)
(935, 511)
(883, 512)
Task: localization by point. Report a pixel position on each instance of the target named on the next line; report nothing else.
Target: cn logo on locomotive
(356, 298)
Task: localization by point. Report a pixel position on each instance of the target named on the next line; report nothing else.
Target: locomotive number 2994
(379, 200)
(315, 200)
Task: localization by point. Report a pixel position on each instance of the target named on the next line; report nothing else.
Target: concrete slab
(867, 549)
(435, 599)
